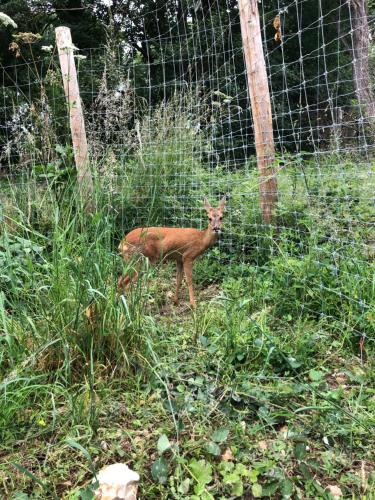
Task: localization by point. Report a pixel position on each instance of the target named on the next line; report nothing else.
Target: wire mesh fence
(168, 122)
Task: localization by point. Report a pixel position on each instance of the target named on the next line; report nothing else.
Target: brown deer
(181, 244)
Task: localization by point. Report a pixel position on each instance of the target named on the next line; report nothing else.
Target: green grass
(265, 390)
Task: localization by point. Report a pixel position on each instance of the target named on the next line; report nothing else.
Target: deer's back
(165, 242)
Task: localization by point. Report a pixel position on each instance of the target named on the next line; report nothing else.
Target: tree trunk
(360, 51)
(260, 100)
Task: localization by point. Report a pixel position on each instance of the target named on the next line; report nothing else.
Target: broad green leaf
(287, 488)
(225, 467)
(201, 471)
(318, 488)
(305, 471)
(184, 486)
(253, 476)
(269, 489)
(231, 478)
(293, 363)
(163, 444)
(299, 451)
(242, 470)
(203, 340)
(205, 495)
(220, 435)
(256, 490)
(213, 448)
(316, 375)
(237, 489)
(159, 470)
(86, 494)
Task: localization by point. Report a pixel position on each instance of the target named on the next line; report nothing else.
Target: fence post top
(62, 32)
(62, 28)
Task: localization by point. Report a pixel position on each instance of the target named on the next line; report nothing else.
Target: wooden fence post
(259, 94)
(77, 123)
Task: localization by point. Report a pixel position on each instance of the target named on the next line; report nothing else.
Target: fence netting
(169, 121)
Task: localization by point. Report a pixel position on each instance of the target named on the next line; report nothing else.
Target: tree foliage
(195, 44)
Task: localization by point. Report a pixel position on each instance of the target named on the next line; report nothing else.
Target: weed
(265, 390)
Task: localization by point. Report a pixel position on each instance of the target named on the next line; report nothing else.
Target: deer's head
(215, 215)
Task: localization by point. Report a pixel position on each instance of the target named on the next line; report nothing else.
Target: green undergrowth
(265, 391)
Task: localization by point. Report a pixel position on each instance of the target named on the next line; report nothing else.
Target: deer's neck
(209, 237)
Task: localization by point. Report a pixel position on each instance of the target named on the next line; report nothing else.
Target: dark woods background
(142, 55)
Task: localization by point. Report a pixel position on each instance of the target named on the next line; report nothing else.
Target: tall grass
(59, 313)
(282, 297)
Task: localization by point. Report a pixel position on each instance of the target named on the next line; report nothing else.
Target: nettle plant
(19, 258)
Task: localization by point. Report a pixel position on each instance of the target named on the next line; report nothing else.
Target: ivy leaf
(220, 435)
(159, 470)
(163, 444)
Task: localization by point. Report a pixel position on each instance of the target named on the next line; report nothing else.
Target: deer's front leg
(188, 269)
(178, 281)
(125, 281)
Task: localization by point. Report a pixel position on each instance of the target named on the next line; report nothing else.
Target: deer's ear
(206, 204)
(222, 202)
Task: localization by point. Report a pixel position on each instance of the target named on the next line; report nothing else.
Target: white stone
(117, 482)
(335, 491)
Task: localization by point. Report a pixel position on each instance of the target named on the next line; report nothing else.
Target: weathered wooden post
(77, 123)
(259, 94)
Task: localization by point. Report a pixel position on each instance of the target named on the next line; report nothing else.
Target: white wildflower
(6, 20)
(47, 48)
(68, 47)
